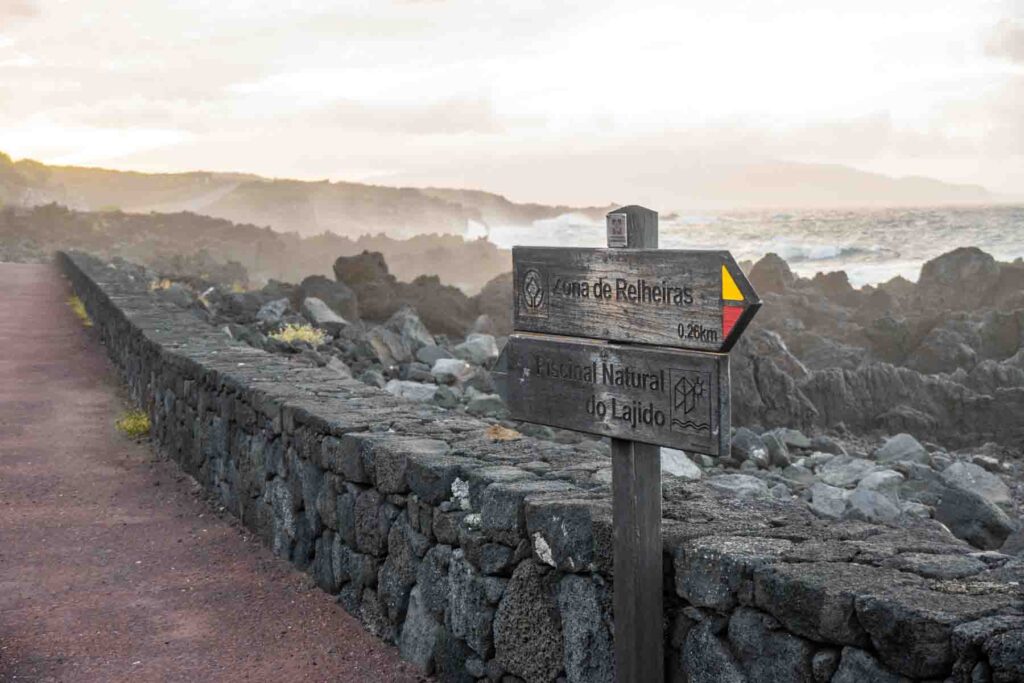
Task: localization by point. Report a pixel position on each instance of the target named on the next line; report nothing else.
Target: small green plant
(134, 423)
(79, 309)
(306, 333)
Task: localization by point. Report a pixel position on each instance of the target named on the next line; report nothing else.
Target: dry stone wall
(491, 560)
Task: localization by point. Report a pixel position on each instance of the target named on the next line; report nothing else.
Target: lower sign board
(659, 396)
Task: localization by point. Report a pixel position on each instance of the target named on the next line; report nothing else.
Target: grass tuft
(306, 333)
(134, 423)
(79, 309)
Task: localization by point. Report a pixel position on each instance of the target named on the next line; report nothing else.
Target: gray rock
(337, 295)
(563, 532)
(868, 505)
(373, 378)
(778, 452)
(739, 485)
(487, 405)
(390, 456)
(793, 438)
(411, 391)
(338, 367)
(675, 463)
(798, 475)
(780, 491)
(971, 517)
(272, 312)
(974, 478)
(748, 447)
(452, 370)
(885, 482)
(430, 354)
(828, 501)
(320, 314)
(902, 448)
(527, 626)
(372, 523)
(478, 349)
(584, 604)
(826, 444)
(446, 397)
(857, 666)
(408, 326)
(419, 634)
(766, 651)
(845, 471)
(387, 348)
(398, 573)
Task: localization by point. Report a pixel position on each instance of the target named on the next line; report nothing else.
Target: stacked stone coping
(491, 560)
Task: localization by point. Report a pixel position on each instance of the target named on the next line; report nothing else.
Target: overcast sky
(451, 92)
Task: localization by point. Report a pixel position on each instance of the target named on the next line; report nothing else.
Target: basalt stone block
(373, 614)
(323, 563)
(398, 573)
(344, 456)
(766, 651)
(391, 457)
(527, 626)
(419, 636)
(450, 657)
(816, 600)
(373, 522)
(327, 501)
(283, 516)
(503, 513)
(585, 607)
(717, 572)
(470, 614)
(972, 641)
(430, 476)
(355, 569)
(912, 628)
(824, 664)
(706, 658)
(857, 666)
(446, 526)
(481, 478)
(432, 579)
(563, 533)
(345, 508)
(311, 478)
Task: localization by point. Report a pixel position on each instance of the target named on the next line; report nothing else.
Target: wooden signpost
(631, 343)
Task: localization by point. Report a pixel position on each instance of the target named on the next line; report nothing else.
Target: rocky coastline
(891, 404)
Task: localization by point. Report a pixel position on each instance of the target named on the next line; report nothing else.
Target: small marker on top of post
(636, 505)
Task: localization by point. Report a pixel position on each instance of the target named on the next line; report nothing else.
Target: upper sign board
(697, 300)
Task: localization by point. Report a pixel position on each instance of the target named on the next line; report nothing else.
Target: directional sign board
(658, 396)
(684, 299)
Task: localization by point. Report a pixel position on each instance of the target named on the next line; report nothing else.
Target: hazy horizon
(540, 102)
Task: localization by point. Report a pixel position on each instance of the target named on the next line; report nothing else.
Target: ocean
(871, 245)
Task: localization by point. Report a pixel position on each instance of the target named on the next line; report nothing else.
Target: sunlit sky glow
(481, 94)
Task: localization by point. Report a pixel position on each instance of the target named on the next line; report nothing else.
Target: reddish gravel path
(112, 568)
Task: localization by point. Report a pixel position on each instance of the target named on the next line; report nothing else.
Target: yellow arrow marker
(730, 291)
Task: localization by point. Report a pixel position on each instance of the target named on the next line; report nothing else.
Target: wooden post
(636, 485)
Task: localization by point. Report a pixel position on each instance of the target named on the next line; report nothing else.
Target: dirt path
(112, 568)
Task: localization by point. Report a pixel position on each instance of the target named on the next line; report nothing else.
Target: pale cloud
(17, 9)
(534, 98)
(1007, 40)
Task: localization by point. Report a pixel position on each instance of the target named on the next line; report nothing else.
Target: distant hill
(308, 208)
(669, 181)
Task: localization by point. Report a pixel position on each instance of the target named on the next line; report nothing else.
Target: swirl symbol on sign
(533, 290)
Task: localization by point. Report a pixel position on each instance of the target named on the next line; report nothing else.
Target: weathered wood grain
(665, 297)
(658, 396)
